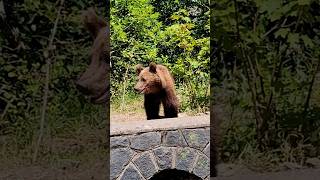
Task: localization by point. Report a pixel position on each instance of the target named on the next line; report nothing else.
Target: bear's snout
(136, 89)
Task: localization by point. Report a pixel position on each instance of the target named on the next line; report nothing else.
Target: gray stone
(185, 158)
(197, 138)
(202, 166)
(119, 158)
(164, 157)
(206, 150)
(131, 173)
(119, 141)
(174, 138)
(145, 165)
(136, 127)
(145, 141)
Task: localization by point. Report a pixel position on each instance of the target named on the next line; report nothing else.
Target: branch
(306, 105)
(46, 88)
(276, 27)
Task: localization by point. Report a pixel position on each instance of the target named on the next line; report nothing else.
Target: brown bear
(157, 85)
(94, 82)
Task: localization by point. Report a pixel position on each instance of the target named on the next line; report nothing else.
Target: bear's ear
(139, 68)
(153, 67)
(93, 22)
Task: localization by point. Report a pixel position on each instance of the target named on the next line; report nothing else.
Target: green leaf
(255, 38)
(186, 19)
(175, 17)
(21, 104)
(307, 41)
(7, 95)
(276, 15)
(283, 32)
(33, 27)
(288, 7)
(11, 74)
(269, 5)
(8, 67)
(293, 38)
(304, 2)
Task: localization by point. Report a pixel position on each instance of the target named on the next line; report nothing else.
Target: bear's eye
(143, 79)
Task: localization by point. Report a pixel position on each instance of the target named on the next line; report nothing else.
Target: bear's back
(164, 73)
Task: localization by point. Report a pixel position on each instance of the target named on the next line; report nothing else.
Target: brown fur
(157, 85)
(94, 81)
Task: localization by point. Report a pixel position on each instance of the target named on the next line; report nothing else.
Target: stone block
(164, 156)
(145, 165)
(119, 158)
(202, 166)
(174, 138)
(131, 173)
(145, 141)
(185, 158)
(119, 142)
(197, 138)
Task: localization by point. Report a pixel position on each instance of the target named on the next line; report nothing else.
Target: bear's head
(94, 81)
(149, 81)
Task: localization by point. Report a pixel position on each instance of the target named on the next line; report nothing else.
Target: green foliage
(24, 45)
(268, 61)
(143, 32)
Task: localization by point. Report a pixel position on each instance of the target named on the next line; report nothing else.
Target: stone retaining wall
(141, 149)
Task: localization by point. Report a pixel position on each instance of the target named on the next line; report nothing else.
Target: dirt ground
(81, 157)
(127, 117)
(98, 172)
(301, 174)
(95, 172)
(116, 117)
